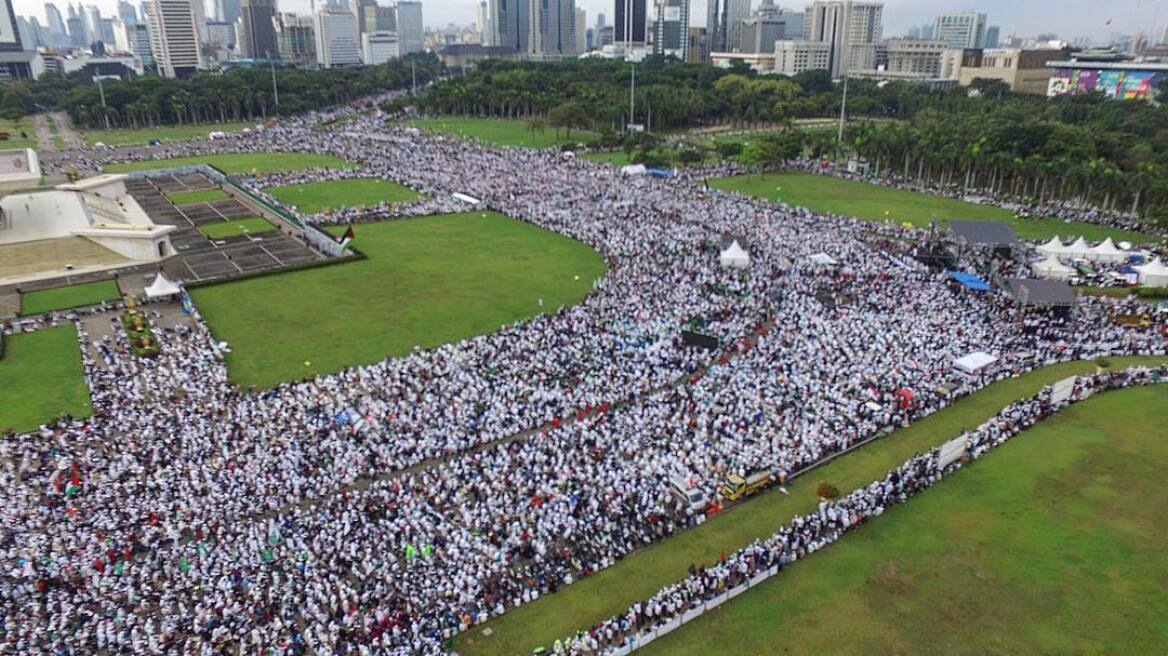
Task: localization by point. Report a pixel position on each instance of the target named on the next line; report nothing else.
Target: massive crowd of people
(385, 508)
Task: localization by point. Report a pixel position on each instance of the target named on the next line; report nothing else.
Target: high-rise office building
(629, 19)
(552, 28)
(174, 41)
(671, 28)
(379, 47)
(30, 32)
(769, 24)
(76, 27)
(358, 8)
(993, 35)
(107, 31)
(599, 22)
(483, 22)
(696, 51)
(134, 38)
(91, 19)
(961, 30)
(127, 13)
(337, 43)
(257, 33)
(581, 30)
(409, 26)
(379, 18)
(851, 30)
(296, 38)
(509, 20)
(54, 22)
(227, 11)
(736, 12)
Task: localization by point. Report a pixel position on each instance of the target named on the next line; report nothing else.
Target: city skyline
(1067, 18)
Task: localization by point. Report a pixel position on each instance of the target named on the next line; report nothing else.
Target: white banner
(951, 451)
(1061, 390)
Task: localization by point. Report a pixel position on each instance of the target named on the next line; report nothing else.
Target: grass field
(200, 196)
(640, 575)
(25, 125)
(314, 197)
(872, 202)
(426, 281)
(41, 378)
(241, 162)
(1054, 544)
(224, 229)
(130, 137)
(62, 298)
(503, 132)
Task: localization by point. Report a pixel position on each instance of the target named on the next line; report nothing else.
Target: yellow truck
(737, 487)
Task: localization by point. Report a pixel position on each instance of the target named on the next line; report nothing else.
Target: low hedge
(143, 342)
(1152, 292)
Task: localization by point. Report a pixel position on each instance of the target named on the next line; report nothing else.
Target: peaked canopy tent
(1078, 249)
(823, 259)
(1107, 251)
(1041, 293)
(1052, 247)
(1052, 269)
(969, 280)
(161, 287)
(1153, 274)
(734, 257)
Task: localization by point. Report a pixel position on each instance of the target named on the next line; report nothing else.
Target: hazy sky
(1067, 18)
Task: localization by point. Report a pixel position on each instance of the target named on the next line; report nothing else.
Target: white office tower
(961, 30)
(851, 29)
(134, 38)
(409, 26)
(379, 47)
(671, 28)
(581, 30)
(174, 41)
(483, 22)
(337, 45)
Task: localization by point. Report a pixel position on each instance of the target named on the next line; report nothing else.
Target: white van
(690, 499)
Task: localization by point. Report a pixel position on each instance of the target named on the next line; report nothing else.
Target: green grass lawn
(224, 229)
(503, 132)
(200, 196)
(24, 125)
(63, 298)
(131, 137)
(241, 162)
(1053, 544)
(314, 197)
(426, 281)
(876, 203)
(41, 378)
(640, 575)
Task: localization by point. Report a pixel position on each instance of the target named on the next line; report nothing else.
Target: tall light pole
(275, 89)
(413, 77)
(104, 109)
(843, 107)
(632, 92)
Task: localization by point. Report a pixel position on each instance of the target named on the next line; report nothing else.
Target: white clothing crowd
(384, 508)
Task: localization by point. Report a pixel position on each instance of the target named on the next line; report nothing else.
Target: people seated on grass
(386, 507)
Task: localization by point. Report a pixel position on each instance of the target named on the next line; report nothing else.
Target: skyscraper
(379, 18)
(962, 30)
(76, 27)
(671, 29)
(993, 35)
(54, 22)
(174, 41)
(552, 28)
(227, 11)
(581, 30)
(91, 19)
(127, 13)
(336, 39)
(134, 38)
(483, 22)
(850, 29)
(509, 20)
(409, 26)
(629, 21)
(359, 7)
(257, 29)
(296, 38)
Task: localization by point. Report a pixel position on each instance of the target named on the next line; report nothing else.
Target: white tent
(974, 362)
(633, 169)
(734, 257)
(1052, 269)
(1107, 251)
(1153, 274)
(161, 287)
(823, 259)
(1078, 249)
(1054, 246)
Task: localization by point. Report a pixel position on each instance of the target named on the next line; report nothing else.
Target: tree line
(233, 95)
(1089, 150)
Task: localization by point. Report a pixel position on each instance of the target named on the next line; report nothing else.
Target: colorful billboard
(1119, 83)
